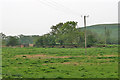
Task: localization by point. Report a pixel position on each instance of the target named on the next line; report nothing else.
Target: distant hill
(100, 30)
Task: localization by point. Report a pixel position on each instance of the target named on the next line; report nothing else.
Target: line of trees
(66, 34)
(61, 34)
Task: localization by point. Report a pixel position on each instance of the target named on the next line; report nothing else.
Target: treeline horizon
(61, 34)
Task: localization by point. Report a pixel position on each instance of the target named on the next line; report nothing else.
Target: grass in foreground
(60, 63)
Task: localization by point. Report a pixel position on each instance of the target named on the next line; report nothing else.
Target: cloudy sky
(35, 17)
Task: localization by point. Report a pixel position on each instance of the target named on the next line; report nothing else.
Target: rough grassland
(60, 63)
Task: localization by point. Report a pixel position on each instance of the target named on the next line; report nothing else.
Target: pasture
(59, 63)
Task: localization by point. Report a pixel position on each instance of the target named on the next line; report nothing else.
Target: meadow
(60, 62)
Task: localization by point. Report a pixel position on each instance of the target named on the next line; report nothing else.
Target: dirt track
(48, 56)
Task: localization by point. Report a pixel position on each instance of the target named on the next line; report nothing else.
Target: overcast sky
(35, 17)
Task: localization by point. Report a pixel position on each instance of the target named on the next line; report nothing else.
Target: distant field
(100, 30)
(60, 63)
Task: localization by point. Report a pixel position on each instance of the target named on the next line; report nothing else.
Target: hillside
(100, 30)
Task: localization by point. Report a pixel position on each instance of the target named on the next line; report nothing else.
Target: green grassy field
(59, 63)
(100, 30)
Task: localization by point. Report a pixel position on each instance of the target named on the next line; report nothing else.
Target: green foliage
(26, 39)
(91, 40)
(50, 40)
(66, 34)
(39, 42)
(3, 38)
(111, 30)
(45, 40)
(62, 33)
(108, 40)
(12, 41)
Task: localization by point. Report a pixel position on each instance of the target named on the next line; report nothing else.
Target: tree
(91, 38)
(56, 29)
(108, 40)
(51, 40)
(79, 37)
(39, 42)
(35, 38)
(3, 38)
(69, 32)
(12, 41)
(25, 39)
(64, 32)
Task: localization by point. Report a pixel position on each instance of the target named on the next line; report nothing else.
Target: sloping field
(100, 30)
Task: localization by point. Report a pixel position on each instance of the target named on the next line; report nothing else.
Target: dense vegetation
(60, 63)
(68, 34)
